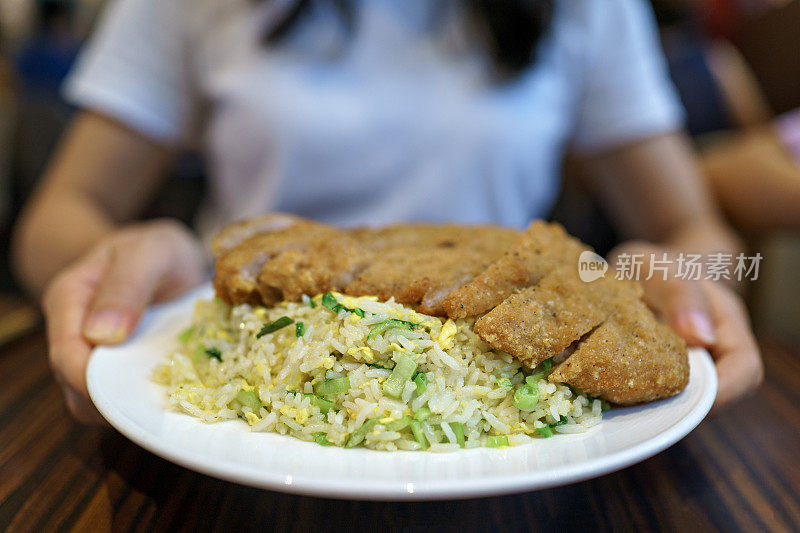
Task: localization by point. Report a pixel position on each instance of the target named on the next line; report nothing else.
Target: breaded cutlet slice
(493, 240)
(237, 270)
(541, 248)
(410, 273)
(234, 234)
(539, 322)
(631, 358)
(420, 264)
(326, 263)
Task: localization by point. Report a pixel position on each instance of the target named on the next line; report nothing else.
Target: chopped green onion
(250, 399)
(309, 301)
(547, 364)
(186, 334)
(497, 442)
(321, 439)
(545, 432)
(397, 425)
(332, 387)
(299, 329)
(504, 383)
(526, 398)
(282, 322)
(329, 301)
(323, 404)
(458, 429)
(401, 374)
(561, 421)
(421, 380)
(423, 414)
(199, 353)
(376, 365)
(533, 379)
(604, 405)
(360, 434)
(419, 436)
(215, 353)
(390, 323)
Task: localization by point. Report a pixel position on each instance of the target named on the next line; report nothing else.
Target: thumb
(685, 305)
(130, 283)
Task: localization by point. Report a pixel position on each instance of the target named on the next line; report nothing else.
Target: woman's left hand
(713, 316)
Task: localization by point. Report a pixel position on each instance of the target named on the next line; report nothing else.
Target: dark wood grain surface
(738, 471)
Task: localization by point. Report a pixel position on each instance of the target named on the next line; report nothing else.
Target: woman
(362, 112)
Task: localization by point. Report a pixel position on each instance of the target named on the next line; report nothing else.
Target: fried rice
(346, 371)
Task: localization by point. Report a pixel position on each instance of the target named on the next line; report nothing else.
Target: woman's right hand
(100, 298)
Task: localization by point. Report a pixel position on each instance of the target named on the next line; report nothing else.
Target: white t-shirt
(403, 123)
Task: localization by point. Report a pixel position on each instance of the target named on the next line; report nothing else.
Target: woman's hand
(100, 298)
(710, 315)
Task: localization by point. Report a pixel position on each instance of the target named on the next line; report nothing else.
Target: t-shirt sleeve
(135, 70)
(626, 92)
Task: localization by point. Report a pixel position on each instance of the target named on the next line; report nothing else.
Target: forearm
(100, 177)
(56, 229)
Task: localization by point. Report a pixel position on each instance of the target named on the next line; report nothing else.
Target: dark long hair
(512, 28)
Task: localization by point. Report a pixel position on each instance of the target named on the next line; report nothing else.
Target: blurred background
(735, 63)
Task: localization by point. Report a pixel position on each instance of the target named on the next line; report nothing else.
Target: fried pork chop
(542, 247)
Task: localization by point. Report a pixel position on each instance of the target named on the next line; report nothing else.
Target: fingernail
(702, 327)
(105, 326)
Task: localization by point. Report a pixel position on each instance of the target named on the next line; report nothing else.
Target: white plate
(120, 386)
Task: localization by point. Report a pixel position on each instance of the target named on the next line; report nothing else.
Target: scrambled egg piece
(246, 386)
(449, 331)
(251, 418)
(301, 416)
(365, 349)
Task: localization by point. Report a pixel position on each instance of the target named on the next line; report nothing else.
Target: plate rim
(700, 362)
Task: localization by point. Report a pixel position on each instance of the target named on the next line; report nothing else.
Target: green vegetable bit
(604, 405)
(421, 380)
(390, 323)
(504, 383)
(250, 399)
(323, 404)
(526, 398)
(547, 364)
(419, 436)
(500, 441)
(215, 353)
(329, 301)
(533, 379)
(401, 374)
(281, 323)
(397, 425)
(423, 414)
(332, 387)
(458, 429)
(299, 329)
(376, 365)
(360, 434)
(321, 439)
(545, 432)
(199, 353)
(186, 335)
(561, 421)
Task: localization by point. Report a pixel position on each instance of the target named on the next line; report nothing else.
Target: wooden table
(739, 471)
